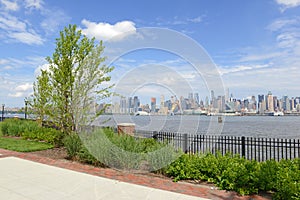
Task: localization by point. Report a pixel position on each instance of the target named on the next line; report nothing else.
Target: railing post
(185, 142)
(243, 147)
(155, 135)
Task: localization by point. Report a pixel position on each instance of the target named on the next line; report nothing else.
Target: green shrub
(268, 175)
(126, 152)
(48, 135)
(73, 145)
(84, 156)
(184, 168)
(243, 176)
(288, 180)
(12, 127)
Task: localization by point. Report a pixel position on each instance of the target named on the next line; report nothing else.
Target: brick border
(139, 179)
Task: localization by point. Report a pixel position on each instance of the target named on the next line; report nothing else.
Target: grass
(20, 145)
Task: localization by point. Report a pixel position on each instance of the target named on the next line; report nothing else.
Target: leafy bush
(13, 127)
(243, 176)
(268, 175)
(85, 157)
(73, 145)
(31, 130)
(119, 151)
(288, 180)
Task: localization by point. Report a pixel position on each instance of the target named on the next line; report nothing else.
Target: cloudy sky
(254, 45)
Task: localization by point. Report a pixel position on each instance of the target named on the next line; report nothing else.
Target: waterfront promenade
(28, 176)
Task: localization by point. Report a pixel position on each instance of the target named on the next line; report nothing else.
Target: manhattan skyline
(215, 103)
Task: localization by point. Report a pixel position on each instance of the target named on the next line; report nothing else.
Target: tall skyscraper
(270, 102)
(285, 103)
(191, 97)
(153, 104)
(123, 105)
(197, 99)
(130, 105)
(136, 103)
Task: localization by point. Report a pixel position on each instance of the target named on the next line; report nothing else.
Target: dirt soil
(55, 153)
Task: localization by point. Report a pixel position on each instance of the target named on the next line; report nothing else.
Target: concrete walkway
(26, 180)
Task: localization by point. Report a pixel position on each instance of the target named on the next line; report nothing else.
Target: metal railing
(251, 148)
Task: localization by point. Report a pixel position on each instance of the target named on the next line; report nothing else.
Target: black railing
(251, 148)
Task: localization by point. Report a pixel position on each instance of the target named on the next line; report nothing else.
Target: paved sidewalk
(23, 174)
(23, 180)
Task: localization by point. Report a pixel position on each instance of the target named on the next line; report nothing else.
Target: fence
(251, 148)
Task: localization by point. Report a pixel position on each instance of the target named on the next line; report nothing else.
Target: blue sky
(255, 44)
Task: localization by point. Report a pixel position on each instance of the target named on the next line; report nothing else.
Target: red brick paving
(140, 179)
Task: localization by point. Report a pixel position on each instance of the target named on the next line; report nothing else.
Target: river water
(257, 126)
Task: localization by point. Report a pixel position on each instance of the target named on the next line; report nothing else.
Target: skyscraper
(270, 102)
(136, 103)
(197, 99)
(153, 104)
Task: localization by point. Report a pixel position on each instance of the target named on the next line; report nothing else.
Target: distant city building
(153, 104)
(136, 103)
(197, 99)
(270, 102)
(264, 105)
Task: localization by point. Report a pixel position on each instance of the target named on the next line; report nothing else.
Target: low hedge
(31, 130)
(246, 177)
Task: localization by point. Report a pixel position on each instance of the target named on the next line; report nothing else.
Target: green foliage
(105, 148)
(73, 145)
(268, 175)
(288, 180)
(12, 127)
(48, 135)
(30, 130)
(23, 145)
(243, 176)
(85, 157)
(42, 93)
(74, 82)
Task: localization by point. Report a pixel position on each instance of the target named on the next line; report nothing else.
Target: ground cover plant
(31, 130)
(230, 172)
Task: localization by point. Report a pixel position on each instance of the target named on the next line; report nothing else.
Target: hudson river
(258, 126)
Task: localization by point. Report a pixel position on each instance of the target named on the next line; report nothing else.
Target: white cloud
(18, 30)
(240, 68)
(24, 87)
(7, 67)
(21, 90)
(37, 71)
(106, 31)
(260, 57)
(288, 39)
(33, 4)
(3, 61)
(10, 5)
(11, 23)
(282, 23)
(178, 21)
(27, 37)
(52, 22)
(288, 3)
(196, 19)
(17, 94)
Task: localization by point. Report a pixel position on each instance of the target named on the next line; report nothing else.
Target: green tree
(76, 76)
(40, 102)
